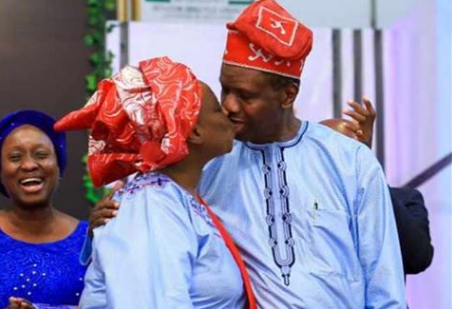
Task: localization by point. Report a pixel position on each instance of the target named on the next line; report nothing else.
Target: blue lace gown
(48, 273)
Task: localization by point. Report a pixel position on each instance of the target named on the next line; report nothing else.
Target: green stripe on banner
(241, 2)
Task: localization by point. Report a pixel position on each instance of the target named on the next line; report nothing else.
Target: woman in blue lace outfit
(39, 245)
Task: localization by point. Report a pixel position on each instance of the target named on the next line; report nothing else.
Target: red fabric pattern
(139, 119)
(266, 37)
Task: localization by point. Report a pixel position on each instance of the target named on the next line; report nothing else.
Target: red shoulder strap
(235, 253)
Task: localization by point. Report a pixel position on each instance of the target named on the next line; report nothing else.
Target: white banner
(319, 13)
(192, 11)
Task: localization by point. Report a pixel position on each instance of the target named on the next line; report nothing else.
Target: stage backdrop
(418, 131)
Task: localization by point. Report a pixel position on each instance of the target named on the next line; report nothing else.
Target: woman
(39, 245)
(165, 249)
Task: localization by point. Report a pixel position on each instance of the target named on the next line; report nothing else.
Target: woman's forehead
(26, 134)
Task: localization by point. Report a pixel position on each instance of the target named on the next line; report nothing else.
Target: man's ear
(196, 136)
(290, 93)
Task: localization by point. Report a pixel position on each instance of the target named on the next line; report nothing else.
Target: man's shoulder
(336, 149)
(322, 136)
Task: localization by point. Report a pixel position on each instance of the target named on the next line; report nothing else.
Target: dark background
(43, 63)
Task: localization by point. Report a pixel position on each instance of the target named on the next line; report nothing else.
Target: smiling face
(29, 169)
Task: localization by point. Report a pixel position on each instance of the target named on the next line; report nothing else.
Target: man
(308, 208)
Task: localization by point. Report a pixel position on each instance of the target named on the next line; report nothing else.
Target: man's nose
(230, 104)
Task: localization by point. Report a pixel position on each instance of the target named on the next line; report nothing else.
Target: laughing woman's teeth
(31, 181)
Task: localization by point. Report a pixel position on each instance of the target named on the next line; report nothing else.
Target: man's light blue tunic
(162, 251)
(313, 220)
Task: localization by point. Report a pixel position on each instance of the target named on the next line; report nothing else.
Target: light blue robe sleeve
(145, 256)
(85, 254)
(94, 294)
(379, 250)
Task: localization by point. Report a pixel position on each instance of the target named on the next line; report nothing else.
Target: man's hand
(363, 118)
(104, 210)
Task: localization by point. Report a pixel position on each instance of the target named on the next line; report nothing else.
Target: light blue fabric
(162, 251)
(85, 253)
(313, 220)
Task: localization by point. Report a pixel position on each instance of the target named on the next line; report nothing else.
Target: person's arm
(362, 120)
(410, 213)
(104, 210)
(145, 258)
(94, 294)
(378, 243)
(22, 303)
(413, 228)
